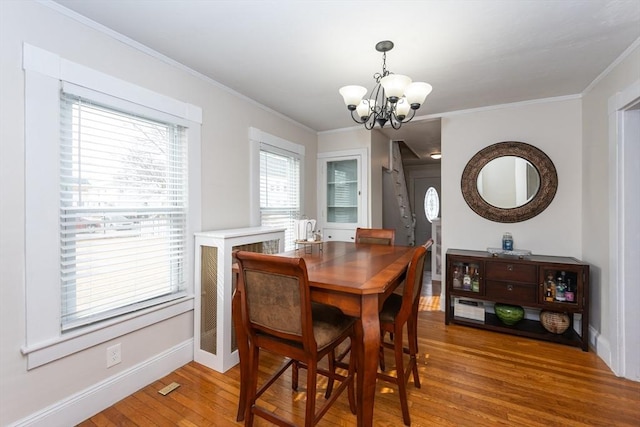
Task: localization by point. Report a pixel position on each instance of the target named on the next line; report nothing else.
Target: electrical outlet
(114, 355)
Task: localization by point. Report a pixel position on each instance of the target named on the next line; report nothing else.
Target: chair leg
(381, 356)
(412, 331)
(311, 394)
(331, 358)
(252, 387)
(294, 375)
(402, 384)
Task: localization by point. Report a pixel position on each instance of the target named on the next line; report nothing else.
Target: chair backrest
(275, 299)
(413, 284)
(378, 236)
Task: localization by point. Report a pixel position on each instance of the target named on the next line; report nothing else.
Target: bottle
(550, 289)
(457, 283)
(507, 242)
(560, 288)
(466, 279)
(569, 293)
(475, 281)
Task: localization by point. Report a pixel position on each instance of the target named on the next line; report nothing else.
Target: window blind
(279, 190)
(123, 208)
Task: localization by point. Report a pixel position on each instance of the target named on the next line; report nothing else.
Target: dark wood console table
(517, 281)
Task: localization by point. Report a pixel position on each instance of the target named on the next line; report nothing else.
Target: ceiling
(292, 56)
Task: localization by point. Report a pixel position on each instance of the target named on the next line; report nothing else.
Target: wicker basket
(556, 323)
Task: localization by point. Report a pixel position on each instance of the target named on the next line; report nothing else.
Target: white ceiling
(293, 55)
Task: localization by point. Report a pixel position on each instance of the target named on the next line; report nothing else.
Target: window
(123, 206)
(279, 191)
(277, 195)
(431, 204)
(112, 178)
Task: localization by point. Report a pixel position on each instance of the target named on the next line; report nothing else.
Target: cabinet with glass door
(341, 195)
(548, 296)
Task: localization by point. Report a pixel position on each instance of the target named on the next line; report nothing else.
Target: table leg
(368, 335)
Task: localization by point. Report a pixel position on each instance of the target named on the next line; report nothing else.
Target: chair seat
(391, 308)
(328, 324)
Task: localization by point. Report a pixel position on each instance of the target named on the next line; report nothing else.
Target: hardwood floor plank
(469, 377)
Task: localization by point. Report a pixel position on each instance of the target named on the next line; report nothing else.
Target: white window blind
(123, 211)
(279, 190)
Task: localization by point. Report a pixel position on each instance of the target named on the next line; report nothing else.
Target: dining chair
(278, 316)
(397, 311)
(379, 236)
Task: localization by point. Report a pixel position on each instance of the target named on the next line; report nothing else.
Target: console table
(517, 281)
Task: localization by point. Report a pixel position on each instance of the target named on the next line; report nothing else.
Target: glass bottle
(475, 281)
(550, 286)
(457, 282)
(561, 288)
(466, 279)
(569, 293)
(507, 242)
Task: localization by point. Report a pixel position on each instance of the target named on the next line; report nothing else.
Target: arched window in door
(431, 204)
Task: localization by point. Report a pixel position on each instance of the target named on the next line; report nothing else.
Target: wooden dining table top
(356, 268)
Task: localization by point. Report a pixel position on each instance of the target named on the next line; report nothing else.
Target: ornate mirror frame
(537, 204)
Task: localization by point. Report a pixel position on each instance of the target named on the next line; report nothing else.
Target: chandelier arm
(411, 115)
(358, 119)
(368, 125)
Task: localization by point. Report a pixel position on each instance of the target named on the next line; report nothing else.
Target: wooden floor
(469, 377)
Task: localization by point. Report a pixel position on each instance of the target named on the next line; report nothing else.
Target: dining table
(356, 278)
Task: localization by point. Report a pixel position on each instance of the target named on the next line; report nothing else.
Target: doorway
(420, 179)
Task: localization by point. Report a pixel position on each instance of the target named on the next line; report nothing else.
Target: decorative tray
(521, 253)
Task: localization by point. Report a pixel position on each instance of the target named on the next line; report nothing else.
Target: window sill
(67, 344)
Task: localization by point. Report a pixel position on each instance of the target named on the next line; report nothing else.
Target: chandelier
(393, 99)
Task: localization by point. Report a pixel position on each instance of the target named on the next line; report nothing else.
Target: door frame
(623, 128)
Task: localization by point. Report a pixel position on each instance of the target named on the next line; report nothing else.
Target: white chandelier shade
(352, 94)
(394, 98)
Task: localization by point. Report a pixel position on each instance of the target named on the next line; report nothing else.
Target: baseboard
(83, 405)
(601, 346)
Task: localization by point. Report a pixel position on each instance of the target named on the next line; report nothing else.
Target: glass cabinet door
(561, 286)
(466, 276)
(342, 191)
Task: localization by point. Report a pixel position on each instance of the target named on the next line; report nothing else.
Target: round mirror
(509, 182)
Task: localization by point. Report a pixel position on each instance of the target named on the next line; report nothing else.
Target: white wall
(225, 204)
(379, 161)
(554, 127)
(344, 139)
(595, 187)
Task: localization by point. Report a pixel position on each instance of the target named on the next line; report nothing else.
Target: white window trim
(256, 139)
(44, 73)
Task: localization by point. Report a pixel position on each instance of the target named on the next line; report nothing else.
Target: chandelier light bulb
(402, 108)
